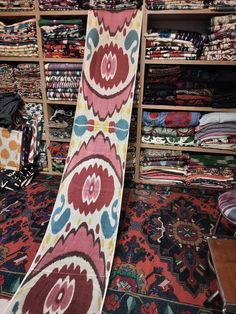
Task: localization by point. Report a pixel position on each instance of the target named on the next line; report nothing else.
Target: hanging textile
(71, 270)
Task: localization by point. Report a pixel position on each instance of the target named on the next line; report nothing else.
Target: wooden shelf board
(17, 13)
(64, 60)
(190, 62)
(36, 100)
(62, 102)
(55, 139)
(188, 108)
(63, 13)
(205, 12)
(19, 59)
(196, 149)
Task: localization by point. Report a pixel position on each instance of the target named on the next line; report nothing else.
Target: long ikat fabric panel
(71, 270)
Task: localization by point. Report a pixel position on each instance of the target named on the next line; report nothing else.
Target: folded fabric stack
(190, 86)
(163, 166)
(27, 76)
(224, 89)
(58, 154)
(217, 130)
(61, 5)
(63, 37)
(114, 4)
(200, 160)
(61, 123)
(174, 5)
(224, 5)
(220, 44)
(18, 39)
(173, 44)
(160, 84)
(19, 5)
(7, 79)
(62, 80)
(169, 128)
(176, 167)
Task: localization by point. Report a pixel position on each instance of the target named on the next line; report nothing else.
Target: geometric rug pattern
(24, 216)
(160, 263)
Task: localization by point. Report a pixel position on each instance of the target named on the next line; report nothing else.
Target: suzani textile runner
(71, 270)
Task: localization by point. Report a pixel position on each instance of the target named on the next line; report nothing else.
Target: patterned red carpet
(23, 221)
(160, 263)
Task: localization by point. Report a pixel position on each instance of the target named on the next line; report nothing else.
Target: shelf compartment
(189, 62)
(197, 149)
(33, 100)
(187, 108)
(203, 13)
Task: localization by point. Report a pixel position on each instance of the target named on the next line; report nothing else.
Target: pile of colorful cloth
(62, 5)
(62, 80)
(19, 5)
(169, 128)
(220, 44)
(7, 79)
(175, 167)
(173, 44)
(114, 4)
(217, 130)
(59, 153)
(63, 37)
(190, 86)
(24, 79)
(19, 39)
(27, 76)
(224, 5)
(174, 4)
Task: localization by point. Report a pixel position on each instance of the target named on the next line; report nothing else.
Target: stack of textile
(62, 80)
(27, 76)
(224, 89)
(224, 5)
(176, 167)
(7, 79)
(190, 86)
(163, 166)
(174, 4)
(19, 5)
(61, 123)
(114, 4)
(169, 128)
(18, 39)
(63, 37)
(173, 44)
(217, 130)
(59, 153)
(220, 44)
(47, 5)
(160, 84)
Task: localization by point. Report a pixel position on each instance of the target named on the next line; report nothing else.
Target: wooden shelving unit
(15, 16)
(195, 20)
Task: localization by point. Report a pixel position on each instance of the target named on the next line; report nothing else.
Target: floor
(160, 264)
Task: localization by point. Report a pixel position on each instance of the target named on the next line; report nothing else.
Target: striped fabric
(227, 205)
